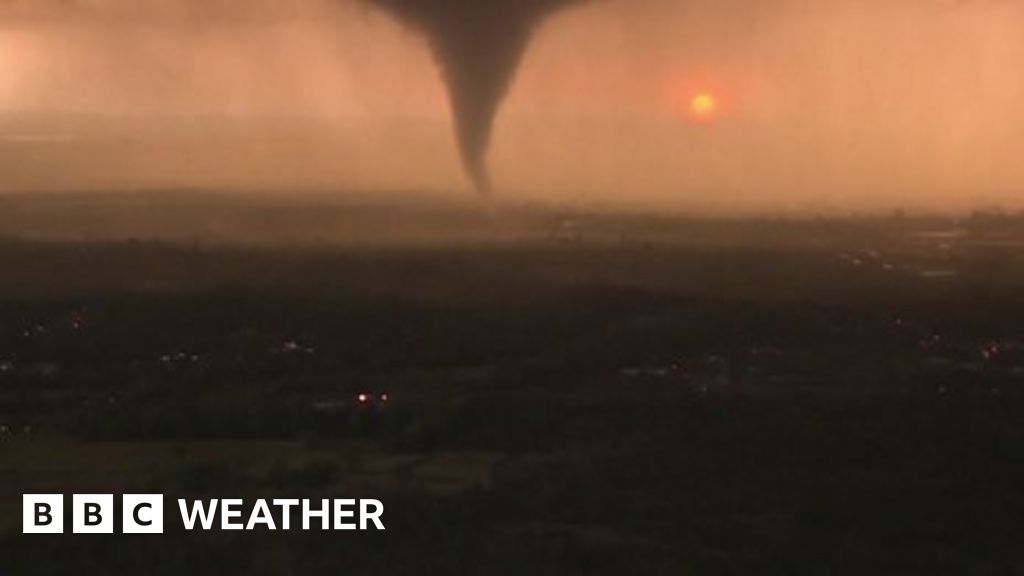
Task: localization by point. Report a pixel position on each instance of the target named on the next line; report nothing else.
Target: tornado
(479, 45)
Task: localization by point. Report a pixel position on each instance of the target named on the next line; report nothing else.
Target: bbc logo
(92, 514)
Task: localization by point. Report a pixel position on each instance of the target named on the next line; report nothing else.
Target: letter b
(42, 513)
(92, 513)
(43, 516)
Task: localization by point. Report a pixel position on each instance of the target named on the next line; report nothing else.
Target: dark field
(567, 393)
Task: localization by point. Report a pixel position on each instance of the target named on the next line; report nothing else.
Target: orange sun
(703, 106)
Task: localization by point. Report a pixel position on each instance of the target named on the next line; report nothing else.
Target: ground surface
(567, 393)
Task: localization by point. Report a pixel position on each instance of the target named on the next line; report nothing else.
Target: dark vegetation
(604, 397)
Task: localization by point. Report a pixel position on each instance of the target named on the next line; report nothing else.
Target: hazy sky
(841, 104)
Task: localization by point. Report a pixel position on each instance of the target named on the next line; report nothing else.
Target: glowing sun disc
(703, 106)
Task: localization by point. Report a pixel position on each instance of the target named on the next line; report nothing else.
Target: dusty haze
(843, 105)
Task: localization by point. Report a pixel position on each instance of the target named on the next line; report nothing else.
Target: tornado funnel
(479, 45)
